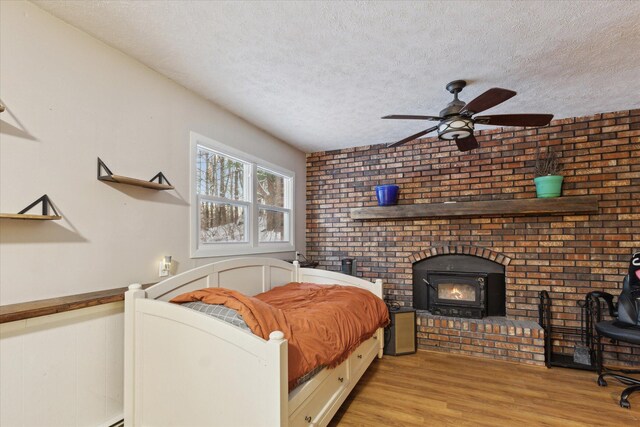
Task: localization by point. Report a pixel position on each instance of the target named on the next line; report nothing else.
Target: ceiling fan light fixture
(455, 128)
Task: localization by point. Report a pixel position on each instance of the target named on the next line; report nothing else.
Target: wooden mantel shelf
(512, 207)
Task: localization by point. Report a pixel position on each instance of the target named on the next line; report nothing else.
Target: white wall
(63, 370)
(71, 99)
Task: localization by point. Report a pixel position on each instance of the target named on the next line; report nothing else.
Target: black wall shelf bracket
(101, 167)
(161, 179)
(46, 205)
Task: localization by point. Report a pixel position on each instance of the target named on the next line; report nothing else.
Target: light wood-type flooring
(438, 389)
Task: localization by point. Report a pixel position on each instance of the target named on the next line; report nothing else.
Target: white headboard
(238, 273)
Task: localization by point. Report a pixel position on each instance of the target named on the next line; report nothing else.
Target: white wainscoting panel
(64, 369)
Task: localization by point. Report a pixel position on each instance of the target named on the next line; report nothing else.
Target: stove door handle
(429, 284)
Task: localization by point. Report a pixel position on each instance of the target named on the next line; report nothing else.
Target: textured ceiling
(319, 75)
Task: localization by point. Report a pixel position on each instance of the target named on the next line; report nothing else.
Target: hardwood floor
(434, 389)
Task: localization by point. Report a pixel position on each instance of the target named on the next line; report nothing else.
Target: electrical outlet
(164, 268)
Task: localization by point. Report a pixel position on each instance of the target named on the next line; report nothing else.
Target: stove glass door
(456, 292)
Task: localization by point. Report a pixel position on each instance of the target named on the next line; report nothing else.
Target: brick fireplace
(567, 255)
(493, 334)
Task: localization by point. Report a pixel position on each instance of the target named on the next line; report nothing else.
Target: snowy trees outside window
(242, 203)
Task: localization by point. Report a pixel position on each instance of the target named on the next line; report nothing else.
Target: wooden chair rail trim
(28, 310)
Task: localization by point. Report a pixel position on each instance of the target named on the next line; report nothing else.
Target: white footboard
(190, 369)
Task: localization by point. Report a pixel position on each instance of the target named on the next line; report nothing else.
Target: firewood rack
(551, 332)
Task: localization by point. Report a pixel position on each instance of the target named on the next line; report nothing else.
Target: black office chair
(625, 327)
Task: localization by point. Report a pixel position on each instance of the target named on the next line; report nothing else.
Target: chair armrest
(595, 296)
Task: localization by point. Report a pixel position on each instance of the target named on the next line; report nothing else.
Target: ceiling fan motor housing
(455, 127)
(453, 108)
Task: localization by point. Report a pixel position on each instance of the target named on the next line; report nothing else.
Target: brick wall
(567, 255)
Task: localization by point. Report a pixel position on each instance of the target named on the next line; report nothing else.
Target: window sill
(241, 250)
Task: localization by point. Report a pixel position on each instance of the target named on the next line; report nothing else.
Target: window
(240, 205)
(274, 208)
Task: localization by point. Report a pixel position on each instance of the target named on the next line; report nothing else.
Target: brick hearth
(566, 255)
(495, 337)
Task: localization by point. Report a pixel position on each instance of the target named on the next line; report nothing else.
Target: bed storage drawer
(312, 412)
(364, 354)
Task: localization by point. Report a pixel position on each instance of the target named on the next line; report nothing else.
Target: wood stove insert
(459, 286)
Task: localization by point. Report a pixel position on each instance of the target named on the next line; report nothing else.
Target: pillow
(229, 315)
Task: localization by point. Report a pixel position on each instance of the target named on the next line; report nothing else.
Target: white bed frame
(185, 368)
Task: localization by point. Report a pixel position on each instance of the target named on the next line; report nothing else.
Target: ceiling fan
(457, 123)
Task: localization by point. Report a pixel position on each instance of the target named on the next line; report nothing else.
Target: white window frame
(252, 246)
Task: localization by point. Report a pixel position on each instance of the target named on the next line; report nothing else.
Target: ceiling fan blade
(524, 120)
(412, 137)
(410, 117)
(468, 143)
(490, 98)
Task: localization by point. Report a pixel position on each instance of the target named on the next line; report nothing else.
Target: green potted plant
(547, 174)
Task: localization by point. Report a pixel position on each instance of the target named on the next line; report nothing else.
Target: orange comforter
(323, 324)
